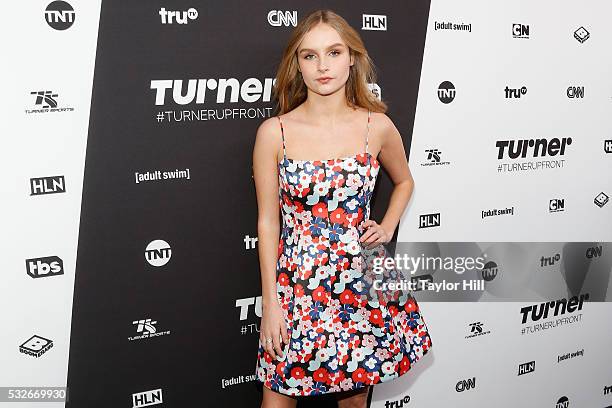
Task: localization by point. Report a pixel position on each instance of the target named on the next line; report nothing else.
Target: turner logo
(36, 346)
(446, 92)
(59, 15)
(277, 18)
(520, 30)
(556, 308)
(47, 185)
(158, 252)
(46, 266)
(515, 149)
(178, 17)
(250, 90)
(147, 398)
(245, 306)
(375, 89)
(374, 22)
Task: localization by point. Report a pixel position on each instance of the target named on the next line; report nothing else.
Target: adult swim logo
(450, 26)
(47, 185)
(433, 158)
(446, 92)
(146, 329)
(532, 148)
(497, 211)
(59, 15)
(278, 18)
(158, 252)
(46, 102)
(36, 346)
(214, 93)
(43, 267)
(520, 30)
(178, 17)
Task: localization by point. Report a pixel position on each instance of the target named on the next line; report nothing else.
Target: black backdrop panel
(205, 218)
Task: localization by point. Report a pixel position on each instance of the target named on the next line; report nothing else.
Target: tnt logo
(429, 220)
(446, 92)
(556, 205)
(147, 398)
(277, 18)
(59, 15)
(520, 30)
(490, 271)
(47, 185)
(158, 252)
(36, 346)
(608, 146)
(179, 17)
(374, 22)
(45, 98)
(562, 402)
(575, 92)
(465, 385)
(47, 266)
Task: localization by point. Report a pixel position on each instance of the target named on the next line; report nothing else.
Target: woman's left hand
(375, 235)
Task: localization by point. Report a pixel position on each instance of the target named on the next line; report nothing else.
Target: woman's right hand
(273, 326)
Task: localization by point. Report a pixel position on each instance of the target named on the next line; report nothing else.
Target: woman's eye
(337, 52)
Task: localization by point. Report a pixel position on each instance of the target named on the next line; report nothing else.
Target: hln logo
(429, 220)
(526, 368)
(147, 398)
(46, 266)
(47, 185)
(608, 146)
(375, 22)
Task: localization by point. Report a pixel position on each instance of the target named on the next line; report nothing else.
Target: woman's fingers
(276, 337)
(284, 333)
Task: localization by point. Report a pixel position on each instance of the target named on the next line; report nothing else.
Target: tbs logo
(46, 266)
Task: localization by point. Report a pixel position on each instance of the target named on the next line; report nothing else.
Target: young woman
(317, 162)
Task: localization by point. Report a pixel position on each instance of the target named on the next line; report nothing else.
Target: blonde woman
(317, 162)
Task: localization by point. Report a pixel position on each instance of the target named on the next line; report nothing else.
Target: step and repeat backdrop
(129, 211)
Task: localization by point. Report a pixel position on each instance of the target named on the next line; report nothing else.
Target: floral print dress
(342, 335)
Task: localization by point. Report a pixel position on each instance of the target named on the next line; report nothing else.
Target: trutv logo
(46, 266)
(178, 17)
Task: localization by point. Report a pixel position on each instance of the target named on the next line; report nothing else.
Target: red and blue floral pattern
(340, 339)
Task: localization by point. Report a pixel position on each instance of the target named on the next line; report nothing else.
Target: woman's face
(322, 54)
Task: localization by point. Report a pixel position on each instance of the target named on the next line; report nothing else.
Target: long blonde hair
(290, 89)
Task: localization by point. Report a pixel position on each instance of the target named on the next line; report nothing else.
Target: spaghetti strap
(283, 136)
(368, 132)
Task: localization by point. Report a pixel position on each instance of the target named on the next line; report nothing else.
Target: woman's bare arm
(265, 172)
(393, 158)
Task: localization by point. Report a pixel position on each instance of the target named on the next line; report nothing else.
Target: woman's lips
(324, 81)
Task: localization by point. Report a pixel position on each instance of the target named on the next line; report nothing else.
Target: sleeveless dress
(341, 337)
